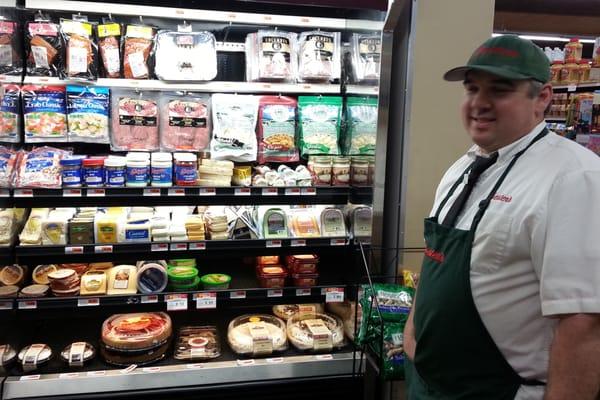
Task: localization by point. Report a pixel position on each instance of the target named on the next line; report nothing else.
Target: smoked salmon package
(45, 113)
(277, 129)
(81, 59)
(138, 46)
(184, 125)
(11, 60)
(10, 114)
(109, 48)
(44, 48)
(135, 120)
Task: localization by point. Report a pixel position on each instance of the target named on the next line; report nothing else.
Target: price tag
(303, 292)
(194, 366)
(275, 293)
(334, 295)
(571, 88)
(242, 192)
(74, 250)
(178, 247)
(176, 192)
(273, 243)
(238, 294)
(338, 242)
(27, 305)
(298, 243)
(323, 357)
(30, 378)
(159, 247)
(205, 301)
(71, 193)
(152, 192)
(207, 192)
(276, 360)
(6, 305)
(245, 363)
(103, 249)
(68, 375)
(311, 191)
(292, 192)
(94, 301)
(96, 192)
(4, 193)
(176, 302)
(272, 191)
(197, 246)
(153, 298)
(128, 369)
(96, 373)
(23, 193)
(151, 369)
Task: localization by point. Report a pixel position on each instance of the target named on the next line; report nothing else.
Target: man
(508, 304)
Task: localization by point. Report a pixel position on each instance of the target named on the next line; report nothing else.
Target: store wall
(446, 33)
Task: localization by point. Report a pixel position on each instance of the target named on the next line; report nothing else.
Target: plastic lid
(185, 157)
(115, 161)
(78, 353)
(558, 62)
(93, 162)
(182, 273)
(183, 262)
(272, 271)
(35, 290)
(152, 278)
(70, 161)
(161, 157)
(138, 163)
(138, 156)
(11, 275)
(43, 350)
(215, 279)
(9, 291)
(40, 273)
(61, 274)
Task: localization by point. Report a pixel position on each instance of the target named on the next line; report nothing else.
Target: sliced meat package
(81, 60)
(185, 56)
(10, 114)
(40, 168)
(109, 47)
(319, 56)
(134, 121)
(11, 60)
(270, 55)
(185, 122)
(44, 49)
(277, 129)
(137, 51)
(234, 127)
(88, 109)
(8, 160)
(45, 113)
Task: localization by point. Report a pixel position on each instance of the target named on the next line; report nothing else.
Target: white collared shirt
(535, 252)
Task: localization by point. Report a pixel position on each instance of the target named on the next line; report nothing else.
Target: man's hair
(535, 87)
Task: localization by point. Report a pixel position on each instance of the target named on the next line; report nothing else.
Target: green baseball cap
(507, 56)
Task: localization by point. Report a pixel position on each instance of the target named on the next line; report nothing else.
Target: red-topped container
(302, 263)
(271, 276)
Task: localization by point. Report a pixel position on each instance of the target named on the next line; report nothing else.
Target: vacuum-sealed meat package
(45, 113)
(81, 59)
(184, 125)
(137, 51)
(270, 56)
(277, 129)
(185, 56)
(44, 48)
(109, 47)
(10, 114)
(319, 120)
(88, 109)
(8, 159)
(11, 62)
(366, 57)
(319, 56)
(40, 168)
(134, 121)
(234, 124)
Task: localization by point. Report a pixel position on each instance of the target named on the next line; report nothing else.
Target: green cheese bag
(390, 348)
(319, 120)
(361, 126)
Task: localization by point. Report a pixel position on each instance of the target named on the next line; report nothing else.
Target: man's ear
(545, 98)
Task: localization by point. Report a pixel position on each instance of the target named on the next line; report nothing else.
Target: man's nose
(481, 100)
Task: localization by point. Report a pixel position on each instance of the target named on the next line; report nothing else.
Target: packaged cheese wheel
(40, 273)
(77, 354)
(12, 275)
(34, 356)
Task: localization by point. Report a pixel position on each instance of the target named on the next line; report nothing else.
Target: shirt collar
(509, 150)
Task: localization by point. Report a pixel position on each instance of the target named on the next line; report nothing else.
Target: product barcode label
(152, 192)
(276, 360)
(151, 369)
(27, 305)
(205, 301)
(178, 247)
(207, 192)
(6, 305)
(197, 246)
(94, 301)
(303, 292)
(323, 357)
(292, 191)
(269, 191)
(74, 250)
(150, 299)
(298, 243)
(96, 373)
(103, 249)
(29, 378)
(176, 302)
(238, 294)
(571, 88)
(245, 363)
(176, 192)
(338, 242)
(242, 192)
(96, 192)
(68, 375)
(159, 247)
(71, 192)
(194, 366)
(275, 293)
(273, 243)
(309, 191)
(23, 193)
(334, 295)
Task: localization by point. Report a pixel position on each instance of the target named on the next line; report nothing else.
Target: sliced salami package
(10, 114)
(11, 59)
(45, 113)
(186, 56)
(87, 114)
(109, 47)
(185, 122)
(135, 121)
(44, 48)
(81, 53)
(138, 45)
(234, 127)
(319, 56)
(277, 129)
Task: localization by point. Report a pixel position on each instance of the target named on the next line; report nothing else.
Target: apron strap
(452, 190)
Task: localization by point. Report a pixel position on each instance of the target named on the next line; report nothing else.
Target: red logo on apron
(435, 255)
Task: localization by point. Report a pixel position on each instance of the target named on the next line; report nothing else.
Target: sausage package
(40, 168)
(319, 123)
(270, 55)
(87, 114)
(8, 160)
(366, 57)
(11, 62)
(361, 126)
(10, 114)
(81, 59)
(138, 45)
(319, 56)
(109, 47)
(45, 113)
(184, 124)
(44, 48)
(234, 124)
(277, 129)
(134, 121)
(185, 56)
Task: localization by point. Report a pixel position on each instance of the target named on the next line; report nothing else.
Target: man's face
(497, 111)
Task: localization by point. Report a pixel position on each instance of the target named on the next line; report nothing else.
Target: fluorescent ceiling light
(547, 38)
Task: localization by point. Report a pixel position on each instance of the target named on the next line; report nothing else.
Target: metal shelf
(556, 119)
(573, 88)
(362, 90)
(10, 78)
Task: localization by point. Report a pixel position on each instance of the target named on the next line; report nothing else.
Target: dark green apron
(456, 358)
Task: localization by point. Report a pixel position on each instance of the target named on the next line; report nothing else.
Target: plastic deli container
(114, 171)
(305, 280)
(177, 287)
(162, 169)
(267, 260)
(315, 332)
(137, 171)
(195, 343)
(8, 355)
(152, 278)
(286, 311)
(215, 281)
(34, 356)
(302, 263)
(257, 334)
(186, 169)
(271, 276)
(78, 354)
(182, 276)
(182, 262)
(136, 331)
(93, 172)
(71, 172)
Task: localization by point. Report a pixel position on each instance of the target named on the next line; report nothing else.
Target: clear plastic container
(8, 355)
(114, 171)
(137, 331)
(315, 332)
(71, 172)
(137, 169)
(152, 278)
(267, 260)
(215, 281)
(78, 354)
(257, 334)
(162, 169)
(34, 356)
(93, 172)
(181, 276)
(286, 311)
(340, 171)
(321, 169)
(271, 276)
(186, 169)
(302, 263)
(195, 343)
(305, 280)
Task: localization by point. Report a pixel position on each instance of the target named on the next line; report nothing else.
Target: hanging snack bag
(234, 135)
(277, 129)
(392, 352)
(44, 48)
(366, 56)
(134, 121)
(10, 115)
(81, 52)
(137, 50)
(10, 48)
(109, 39)
(8, 159)
(184, 123)
(361, 126)
(270, 56)
(319, 119)
(319, 56)
(88, 109)
(40, 168)
(186, 56)
(45, 113)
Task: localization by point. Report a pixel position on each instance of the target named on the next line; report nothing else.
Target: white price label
(197, 246)
(151, 369)
(96, 192)
(207, 192)
(273, 243)
(242, 192)
(275, 293)
(30, 378)
(338, 242)
(178, 247)
(78, 60)
(159, 247)
(276, 360)
(176, 192)
(311, 191)
(152, 192)
(194, 366)
(298, 243)
(27, 305)
(269, 191)
(107, 248)
(6, 305)
(205, 301)
(571, 88)
(137, 64)
(74, 250)
(303, 292)
(6, 55)
(4, 193)
(238, 294)
(177, 302)
(23, 193)
(72, 193)
(324, 357)
(334, 295)
(96, 373)
(128, 369)
(40, 56)
(94, 301)
(68, 375)
(245, 363)
(150, 299)
(292, 192)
